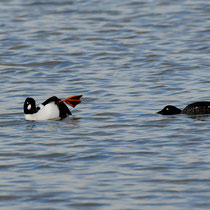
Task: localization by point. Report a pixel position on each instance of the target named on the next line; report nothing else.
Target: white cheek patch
(29, 107)
(167, 109)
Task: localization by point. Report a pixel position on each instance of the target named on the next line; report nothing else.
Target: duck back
(197, 108)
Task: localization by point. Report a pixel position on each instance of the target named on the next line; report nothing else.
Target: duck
(51, 109)
(196, 108)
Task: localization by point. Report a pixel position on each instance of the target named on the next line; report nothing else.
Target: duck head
(29, 106)
(169, 110)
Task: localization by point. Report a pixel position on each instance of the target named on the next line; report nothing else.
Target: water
(128, 59)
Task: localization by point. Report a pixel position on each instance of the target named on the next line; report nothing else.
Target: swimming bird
(52, 108)
(197, 108)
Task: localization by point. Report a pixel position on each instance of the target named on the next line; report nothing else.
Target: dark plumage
(169, 110)
(64, 111)
(32, 103)
(197, 108)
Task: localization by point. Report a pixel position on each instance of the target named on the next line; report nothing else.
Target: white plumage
(51, 109)
(48, 112)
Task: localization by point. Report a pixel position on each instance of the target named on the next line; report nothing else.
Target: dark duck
(51, 109)
(197, 108)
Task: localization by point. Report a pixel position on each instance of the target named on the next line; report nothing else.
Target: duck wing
(197, 108)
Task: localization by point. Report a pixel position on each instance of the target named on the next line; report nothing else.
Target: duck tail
(72, 100)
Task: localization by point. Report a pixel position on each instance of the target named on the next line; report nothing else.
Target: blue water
(129, 59)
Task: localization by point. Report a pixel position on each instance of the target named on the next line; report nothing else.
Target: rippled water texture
(128, 59)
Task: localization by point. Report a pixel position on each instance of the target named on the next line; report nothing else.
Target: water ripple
(128, 59)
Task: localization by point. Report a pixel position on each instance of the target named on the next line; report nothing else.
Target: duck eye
(167, 109)
(27, 102)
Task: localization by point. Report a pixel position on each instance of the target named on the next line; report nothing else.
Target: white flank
(47, 112)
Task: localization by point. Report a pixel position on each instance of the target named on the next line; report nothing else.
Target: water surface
(128, 59)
